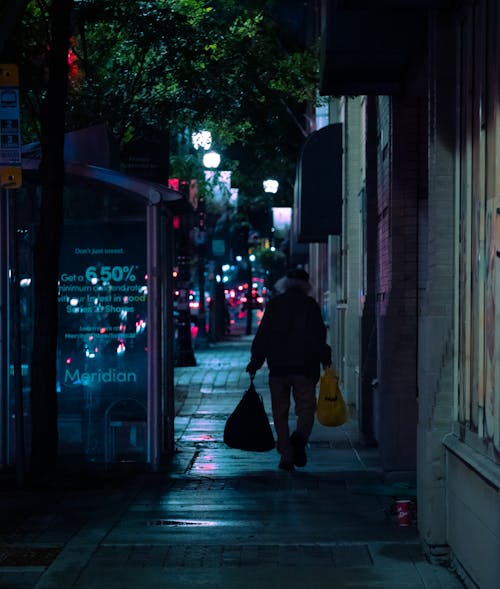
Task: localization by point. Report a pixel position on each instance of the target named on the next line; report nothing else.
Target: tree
(51, 124)
(177, 64)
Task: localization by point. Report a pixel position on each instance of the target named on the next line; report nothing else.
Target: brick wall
(396, 290)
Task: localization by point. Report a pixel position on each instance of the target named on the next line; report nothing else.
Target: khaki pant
(304, 395)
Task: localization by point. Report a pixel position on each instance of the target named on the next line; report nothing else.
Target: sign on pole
(10, 128)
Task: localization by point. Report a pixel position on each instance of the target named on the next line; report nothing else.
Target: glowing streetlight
(270, 186)
(202, 139)
(211, 159)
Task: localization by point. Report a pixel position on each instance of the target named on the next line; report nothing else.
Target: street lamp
(270, 185)
(211, 159)
(201, 139)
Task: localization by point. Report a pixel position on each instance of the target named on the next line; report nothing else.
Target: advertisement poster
(102, 367)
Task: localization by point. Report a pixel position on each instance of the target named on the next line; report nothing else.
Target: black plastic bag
(248, 428)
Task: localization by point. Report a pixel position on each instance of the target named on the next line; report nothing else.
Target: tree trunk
(44, 435)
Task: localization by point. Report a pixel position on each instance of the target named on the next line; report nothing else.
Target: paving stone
(218, 517)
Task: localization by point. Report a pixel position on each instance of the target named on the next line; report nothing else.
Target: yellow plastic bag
(331, 409)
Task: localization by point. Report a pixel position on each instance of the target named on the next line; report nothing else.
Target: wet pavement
(217, 517)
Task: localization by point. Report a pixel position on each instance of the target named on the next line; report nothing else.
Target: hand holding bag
(248, 428)
(331, 409)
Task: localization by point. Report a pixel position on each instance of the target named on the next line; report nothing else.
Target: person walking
(292, 338)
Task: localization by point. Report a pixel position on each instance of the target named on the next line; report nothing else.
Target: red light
(72, 58)
(173, 183)
(176, 222)
(102, 330)
(68, 360)
(73, 71)
(75, 74)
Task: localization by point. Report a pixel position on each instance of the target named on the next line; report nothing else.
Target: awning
(370, 50)
(318, 187)
(152, 192)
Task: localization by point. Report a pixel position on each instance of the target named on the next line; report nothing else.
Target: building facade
(413, 279)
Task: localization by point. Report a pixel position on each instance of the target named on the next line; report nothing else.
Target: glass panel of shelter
(102, 352)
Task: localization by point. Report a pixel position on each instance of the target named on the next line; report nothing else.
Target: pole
(154, 359)
(201, 245)
(184, 355)
(11, 179)
(168, 247)
(4, 328)
(16, 346)
(201, 340)
(248, 330)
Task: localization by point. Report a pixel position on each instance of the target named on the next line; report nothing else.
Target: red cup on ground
(403, 507)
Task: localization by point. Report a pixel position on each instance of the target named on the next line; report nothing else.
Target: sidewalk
(221, 518)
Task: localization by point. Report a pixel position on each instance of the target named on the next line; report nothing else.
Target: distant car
(257, 300)
(194, 302)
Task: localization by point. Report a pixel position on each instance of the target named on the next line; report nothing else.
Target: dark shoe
(284, 465)
(299, 450)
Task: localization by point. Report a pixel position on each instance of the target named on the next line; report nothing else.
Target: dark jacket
(291, 336)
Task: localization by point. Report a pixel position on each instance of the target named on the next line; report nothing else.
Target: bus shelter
(115, 333)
